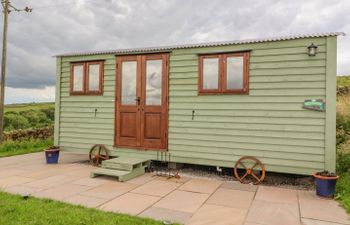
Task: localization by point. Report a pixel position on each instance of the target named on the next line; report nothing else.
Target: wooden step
(125, 163)
(122, 175)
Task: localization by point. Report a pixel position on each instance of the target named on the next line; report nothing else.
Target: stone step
(122, 175)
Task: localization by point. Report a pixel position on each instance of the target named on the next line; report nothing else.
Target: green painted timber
(57, 100)
(120, 174)
(124, 168)
(331, 82)
(269, 123)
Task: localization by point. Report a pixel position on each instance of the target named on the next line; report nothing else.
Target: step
(122, 175)
(125, 163)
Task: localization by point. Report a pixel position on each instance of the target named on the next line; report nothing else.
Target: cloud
(68, 26)
(20, 95)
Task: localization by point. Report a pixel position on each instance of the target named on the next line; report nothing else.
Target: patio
(187, 200)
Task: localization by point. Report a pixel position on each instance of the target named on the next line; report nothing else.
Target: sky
(59, 26)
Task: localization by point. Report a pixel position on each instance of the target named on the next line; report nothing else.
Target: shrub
(343, 162)
(35, 118)
(15, 121)
(50, 113)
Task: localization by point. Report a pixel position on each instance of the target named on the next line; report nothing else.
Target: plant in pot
(52, 153)
(325, 183)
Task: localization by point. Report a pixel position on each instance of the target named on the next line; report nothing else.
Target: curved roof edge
(210, 44)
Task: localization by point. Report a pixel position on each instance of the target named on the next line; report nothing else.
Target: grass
(11, 148)
(343, 145)
(28, 106)
(343, 81)
(15, 210)
(343, 191)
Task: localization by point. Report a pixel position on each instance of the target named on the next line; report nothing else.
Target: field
(343, 81)
(28, 106)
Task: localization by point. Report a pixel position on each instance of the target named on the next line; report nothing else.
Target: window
(86, 78)
(225, 73)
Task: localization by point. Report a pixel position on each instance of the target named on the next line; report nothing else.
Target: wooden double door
(142, 101)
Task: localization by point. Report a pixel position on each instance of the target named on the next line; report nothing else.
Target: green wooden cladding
(269, 123)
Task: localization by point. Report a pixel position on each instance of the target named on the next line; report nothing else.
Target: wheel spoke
(251, 168)
(256, 177)
(243, 165)
(99, 150)
(246, 174)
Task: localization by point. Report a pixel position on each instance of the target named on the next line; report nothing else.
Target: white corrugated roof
(212, 44)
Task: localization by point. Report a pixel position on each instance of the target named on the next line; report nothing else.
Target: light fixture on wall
(312, 50)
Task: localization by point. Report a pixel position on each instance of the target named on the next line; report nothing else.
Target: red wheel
(97, 154)
(256, 171)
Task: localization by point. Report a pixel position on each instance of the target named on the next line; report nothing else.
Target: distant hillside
(343, 81)
(30, 115)
(28, 106)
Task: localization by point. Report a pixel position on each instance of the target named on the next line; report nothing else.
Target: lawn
(11, 148)
(14, 209)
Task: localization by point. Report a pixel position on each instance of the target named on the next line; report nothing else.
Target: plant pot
(52, 155)
(325, 185)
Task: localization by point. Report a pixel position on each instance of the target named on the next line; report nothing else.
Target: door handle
(138, 100)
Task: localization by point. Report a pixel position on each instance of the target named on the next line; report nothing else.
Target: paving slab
(130, 203)
(11, 172)
(238, 186)
(277, 195)
(22, 189)
(41, 174)
(86, 201)
(156, 188)
(13, 180)
(186, 200)
(205, 186)
(182, 179)
(62, 191)
(218, 215)
(110, 190)
(166, 214)
(52, 181)
(182, 201)
(316, 222)
(231, 198)
(313, 207)
(142, 179)
(269, 213)
(91, 182)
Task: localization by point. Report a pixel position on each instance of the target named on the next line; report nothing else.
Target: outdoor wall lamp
(312, 49)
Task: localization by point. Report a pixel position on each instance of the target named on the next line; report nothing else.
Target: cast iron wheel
(258, 166)
(97, 154)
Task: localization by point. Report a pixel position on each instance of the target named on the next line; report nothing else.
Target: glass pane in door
(154, 82)
(128, 77)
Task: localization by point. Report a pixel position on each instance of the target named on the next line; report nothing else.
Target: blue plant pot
(52, 156)
(325, 186)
